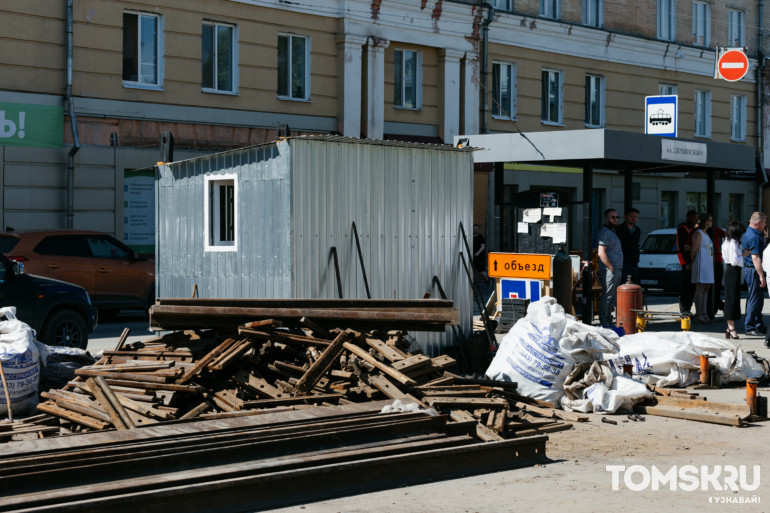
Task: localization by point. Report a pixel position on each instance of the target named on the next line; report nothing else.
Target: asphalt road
(107, 333)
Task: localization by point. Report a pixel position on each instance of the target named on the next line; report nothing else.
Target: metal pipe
(73, 122)
(760, 117)
(484, 65)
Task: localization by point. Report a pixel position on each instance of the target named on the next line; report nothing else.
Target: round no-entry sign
(733, 65)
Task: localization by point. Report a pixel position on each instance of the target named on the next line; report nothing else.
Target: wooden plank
(444, 362)
(84, 409)
(384, 385)
(72, 416)
(122, 339)
(388, 352)
(268, 403)
(561, 426)
(487, 435)
(463, 402)
(143, 408)
(109, 402)
(230, 355)
(676, 412)
(126, 376)
(166, 387)
(322, 364)
(205, 405)
(461, 416)
(390, 371)
(320, 330)
(258, 385)
(203, 362)
(739, 410)
(411, 364)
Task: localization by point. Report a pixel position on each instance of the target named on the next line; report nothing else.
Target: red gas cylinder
(629, 299)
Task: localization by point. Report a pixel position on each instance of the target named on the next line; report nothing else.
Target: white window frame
(701, 23)
(667, 20)
(598, 81)
(158, 86)
(667, 89)
(234, 56)
(593, 13)
(504, 111)
(502, 5)
(738, 118)
(398, 81)
(702, 109)
(550, 9)
(307, 67)
(211, 213)
(736, 28)
(544, 101)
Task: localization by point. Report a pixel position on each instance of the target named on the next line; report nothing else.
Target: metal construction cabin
(266, 221)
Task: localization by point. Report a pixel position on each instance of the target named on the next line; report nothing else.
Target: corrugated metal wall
(298, 198)
(261, 268)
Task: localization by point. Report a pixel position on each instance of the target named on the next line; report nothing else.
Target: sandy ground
(576, 478)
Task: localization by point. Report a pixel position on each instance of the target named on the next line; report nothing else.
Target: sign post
(732, 64)
(660, 115)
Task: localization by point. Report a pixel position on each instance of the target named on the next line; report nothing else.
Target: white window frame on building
(503, 77)
(738, 118)
(550, 9)
(594, 101)
(593, 13)
(403, 96)
(146, 72)
(220, 212)
(502, 5)
(667, 89)
(667, 20)
(223, 73)
(701, 23)
(296, 82)
(702, 113)
(736, 27)
(552, 99)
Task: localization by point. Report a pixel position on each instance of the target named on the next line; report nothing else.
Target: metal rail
(361, 259)
(476, 293)
(337, 270)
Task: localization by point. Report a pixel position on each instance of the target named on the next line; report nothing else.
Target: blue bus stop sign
(660, 115)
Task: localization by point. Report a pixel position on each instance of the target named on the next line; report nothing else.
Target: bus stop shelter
(626, 152)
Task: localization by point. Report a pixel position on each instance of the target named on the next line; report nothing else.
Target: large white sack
(540, 350)
(21, 363)
(672, 358)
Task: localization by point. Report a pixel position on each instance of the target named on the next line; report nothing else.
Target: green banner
(31, 125)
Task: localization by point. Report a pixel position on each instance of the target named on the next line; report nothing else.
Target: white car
(659, 266)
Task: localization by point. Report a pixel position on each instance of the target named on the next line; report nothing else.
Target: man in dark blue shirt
(629, 235)
(753, 275)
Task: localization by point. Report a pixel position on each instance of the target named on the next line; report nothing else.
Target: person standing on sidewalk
(754, 275)
(702, 266)
(766, 268)
(629, 235)
(733, 259)
(683, 235)
(610, 265)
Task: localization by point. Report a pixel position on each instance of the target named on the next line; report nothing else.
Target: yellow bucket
(685, 321)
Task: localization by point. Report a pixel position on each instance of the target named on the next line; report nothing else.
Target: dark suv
(61, 313)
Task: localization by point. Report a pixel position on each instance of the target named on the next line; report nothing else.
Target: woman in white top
(702, 266)
(733, 258)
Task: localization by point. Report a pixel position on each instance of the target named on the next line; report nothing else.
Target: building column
(349, 73)
(449, 71)
(471, 98)
(375, 87)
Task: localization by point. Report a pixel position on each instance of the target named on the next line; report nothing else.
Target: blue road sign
(660, 115)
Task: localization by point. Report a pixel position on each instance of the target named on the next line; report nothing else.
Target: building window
(141, 50)
(666, 89)
(293, 67)
(736, 28)
(407, 79)
(735, 208)
(594, 101)
(550, 8)
(702, 113)
(701, 23)
(668, 205)
(220, 214)
(666, 20)
(502, 5)
(593, 13)
(503, 90)
(738, 117)
(218, 58)
(697, 201)
(552, 97)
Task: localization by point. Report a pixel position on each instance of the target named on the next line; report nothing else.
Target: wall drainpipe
(484, 65)
(73, 122)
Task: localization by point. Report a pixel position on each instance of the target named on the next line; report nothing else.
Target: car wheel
(66, 328)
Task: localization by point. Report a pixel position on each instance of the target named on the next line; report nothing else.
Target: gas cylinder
(629, 298)
(562, 279)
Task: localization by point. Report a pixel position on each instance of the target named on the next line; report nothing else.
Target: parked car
(659, 266)
(114, 275)
(61, 313)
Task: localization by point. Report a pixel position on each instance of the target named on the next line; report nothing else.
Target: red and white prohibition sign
(733, 65)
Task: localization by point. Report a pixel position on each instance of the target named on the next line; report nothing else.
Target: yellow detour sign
(519, 265)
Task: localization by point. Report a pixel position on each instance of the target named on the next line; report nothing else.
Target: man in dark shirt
(629, 235)
(683, 234)
(753, 241)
